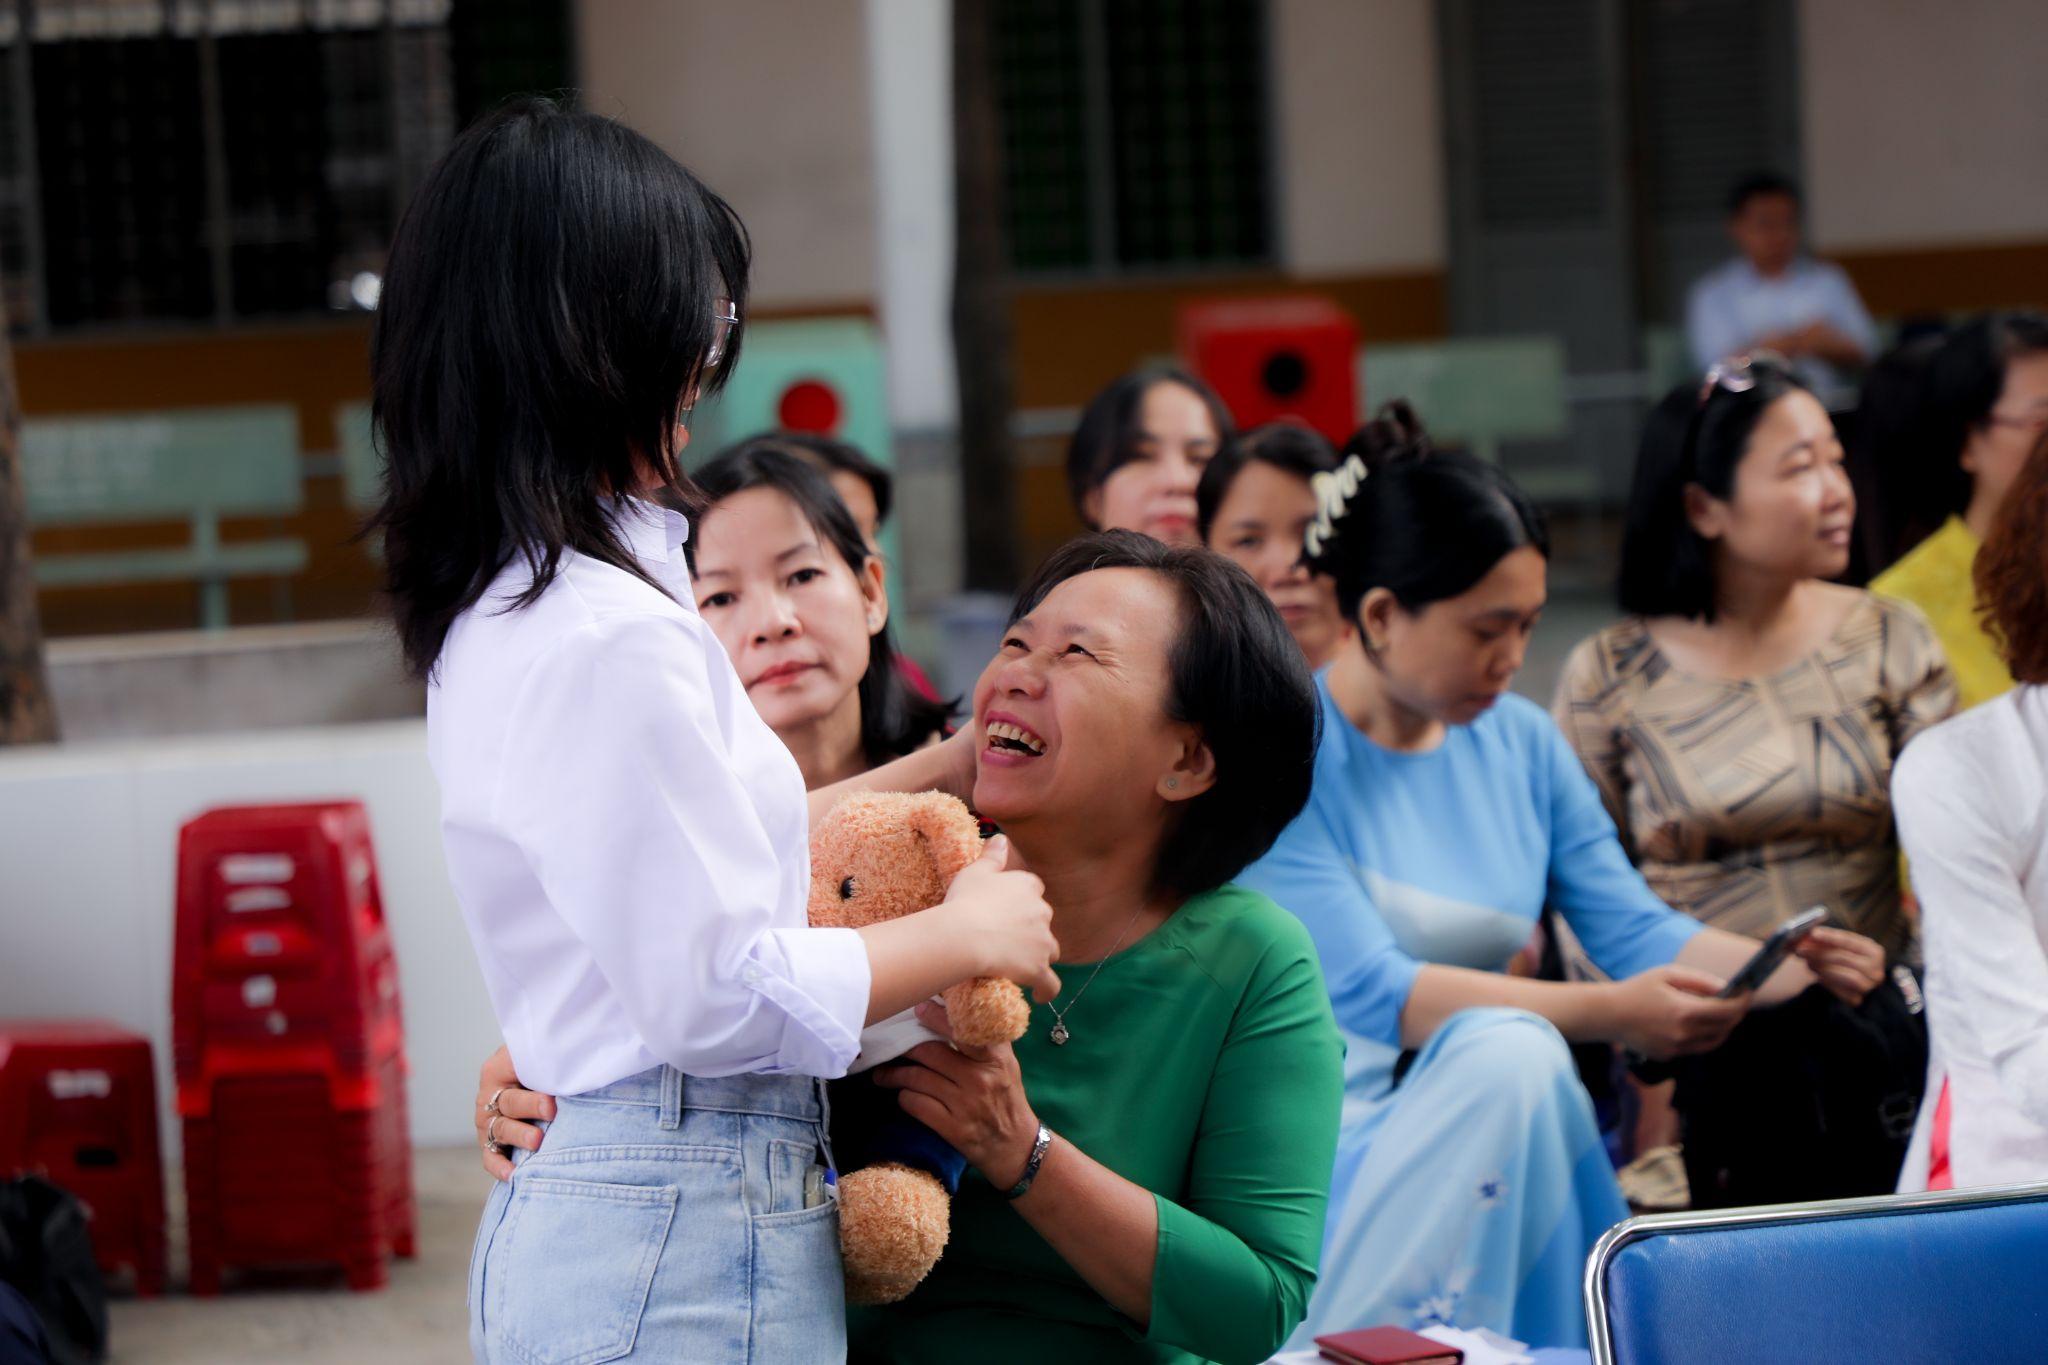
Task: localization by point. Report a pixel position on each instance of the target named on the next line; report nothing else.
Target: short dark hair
(1760, 185)
(2012, 571)
(1424, 524)
(839, 457)
(1959, 387)
(1286, 445)
(1236, 675)
(1106, 438)
(547, 311)
(1667, 569)
(894, 719)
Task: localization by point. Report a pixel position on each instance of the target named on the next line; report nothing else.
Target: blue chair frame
(1954, 1275)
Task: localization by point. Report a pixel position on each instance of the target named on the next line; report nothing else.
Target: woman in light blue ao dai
(1471, 1180)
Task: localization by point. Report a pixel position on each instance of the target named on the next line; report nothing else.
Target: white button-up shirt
(627, 838)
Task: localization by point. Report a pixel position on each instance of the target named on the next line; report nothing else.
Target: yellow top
(1935, 577)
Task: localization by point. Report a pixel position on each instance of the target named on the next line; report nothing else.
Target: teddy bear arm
(893, 1224)
(987, 1011)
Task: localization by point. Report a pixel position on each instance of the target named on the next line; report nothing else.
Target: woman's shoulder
(1237, 933)
(1983, 765)
(1612, 657)
(1897, 615)
(1258, 959)
(1895, 634)
(1516, 724)
(2004, 737)
(591, 618)
(1932, 570)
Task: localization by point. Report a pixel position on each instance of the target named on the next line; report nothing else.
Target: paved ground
(418, 1319)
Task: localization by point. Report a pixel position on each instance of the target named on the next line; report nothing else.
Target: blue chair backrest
(1959, 1276)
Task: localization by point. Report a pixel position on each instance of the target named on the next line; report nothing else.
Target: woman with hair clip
(1445, 815)
(626, 837)
(1255, 502)
(1741, 725)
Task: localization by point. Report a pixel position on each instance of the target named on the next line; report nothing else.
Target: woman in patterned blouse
(1742, 723)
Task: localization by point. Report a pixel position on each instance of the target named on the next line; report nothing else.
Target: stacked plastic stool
(289, 1046)
(78, 1107)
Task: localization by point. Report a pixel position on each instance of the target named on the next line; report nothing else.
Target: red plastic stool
(78, 1106)
(289, 1046)
(295, 1170)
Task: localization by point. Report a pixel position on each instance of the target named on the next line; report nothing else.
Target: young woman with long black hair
(626, 837)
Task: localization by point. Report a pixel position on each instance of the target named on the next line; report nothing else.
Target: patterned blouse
(1746, 802)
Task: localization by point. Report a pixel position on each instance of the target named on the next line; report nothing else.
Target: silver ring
(491, 1134)
(492, 1108)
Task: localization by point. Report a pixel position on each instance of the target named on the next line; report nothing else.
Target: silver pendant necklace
(1060, 1033)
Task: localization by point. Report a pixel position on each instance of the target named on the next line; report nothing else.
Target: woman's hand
(959, 750)
(1672, 1011)
(1848, 964)
(510, 1124)
(1006, 917)
(973, 1097)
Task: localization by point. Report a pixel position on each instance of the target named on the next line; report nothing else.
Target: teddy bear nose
(847, 889)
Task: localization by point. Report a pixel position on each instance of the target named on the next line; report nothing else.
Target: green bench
(197, 465)
(1475, 391)
(362, 469)
(1478, 392)
(1667, 362)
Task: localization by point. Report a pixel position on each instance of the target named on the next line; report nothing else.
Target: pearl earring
(1173, 784)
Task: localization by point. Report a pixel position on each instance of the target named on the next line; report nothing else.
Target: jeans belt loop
(671, 1098)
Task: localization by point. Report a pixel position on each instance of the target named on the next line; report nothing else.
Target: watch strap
(1031, 1165)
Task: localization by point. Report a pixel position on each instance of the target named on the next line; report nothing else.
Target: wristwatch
(1038, 1146)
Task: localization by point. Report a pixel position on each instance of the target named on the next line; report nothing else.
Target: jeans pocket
(799, 1293)
(567, 1275)
(789, 1167)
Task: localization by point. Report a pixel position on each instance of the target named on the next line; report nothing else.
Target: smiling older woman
(1154, 1154)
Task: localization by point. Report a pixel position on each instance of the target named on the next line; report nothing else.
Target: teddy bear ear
(949, 829)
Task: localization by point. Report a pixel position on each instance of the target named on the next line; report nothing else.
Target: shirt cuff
(1397, 983)
(819, 980)
(890, 1039)
(1680, 930)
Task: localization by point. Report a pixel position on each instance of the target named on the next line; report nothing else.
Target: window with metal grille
(1135, 133)
(186, 160)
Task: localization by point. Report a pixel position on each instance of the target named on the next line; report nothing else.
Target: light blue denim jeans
(664, 1219)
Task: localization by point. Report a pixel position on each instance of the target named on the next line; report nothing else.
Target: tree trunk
(27, 715)
(981, 305)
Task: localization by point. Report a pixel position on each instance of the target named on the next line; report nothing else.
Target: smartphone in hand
(1774, 951)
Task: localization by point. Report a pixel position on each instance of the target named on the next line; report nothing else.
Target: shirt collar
(652, 532)
(1795, 271)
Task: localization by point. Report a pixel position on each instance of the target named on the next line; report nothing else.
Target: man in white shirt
(1775, 297)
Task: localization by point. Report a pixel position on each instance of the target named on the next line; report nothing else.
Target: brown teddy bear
(876, 856)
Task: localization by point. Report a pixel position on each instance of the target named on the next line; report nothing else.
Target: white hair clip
(1333, 489)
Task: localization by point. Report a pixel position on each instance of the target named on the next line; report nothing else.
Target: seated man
(1773, 296)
